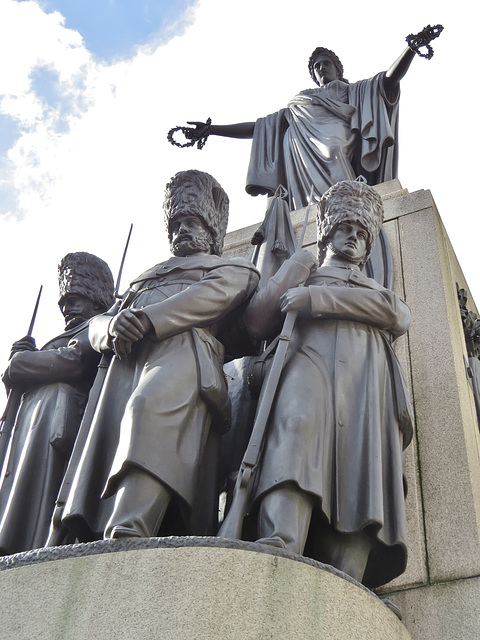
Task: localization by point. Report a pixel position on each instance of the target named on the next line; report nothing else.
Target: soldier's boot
(140, 505)
(284, 518)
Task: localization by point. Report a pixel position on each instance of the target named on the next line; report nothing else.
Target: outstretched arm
(201, 130)
(239, 130)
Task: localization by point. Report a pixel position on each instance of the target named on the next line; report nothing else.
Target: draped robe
(325, 135)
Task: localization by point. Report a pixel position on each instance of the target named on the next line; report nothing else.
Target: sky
(89, 90)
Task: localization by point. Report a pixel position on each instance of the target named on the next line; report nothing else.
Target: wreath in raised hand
(198, 135)
(423, 39)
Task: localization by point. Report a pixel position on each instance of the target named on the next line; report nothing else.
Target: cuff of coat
(7, 377)
(98, 334)
(305, 258)
(320, 300)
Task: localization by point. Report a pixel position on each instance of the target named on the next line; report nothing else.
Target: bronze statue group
(138, 383)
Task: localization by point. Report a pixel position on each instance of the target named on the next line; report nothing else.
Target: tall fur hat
(349, 200)
(87, 275)
(198, 193)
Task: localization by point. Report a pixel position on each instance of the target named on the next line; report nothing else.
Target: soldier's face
(189, 236)
(351, 239)
(76, 309)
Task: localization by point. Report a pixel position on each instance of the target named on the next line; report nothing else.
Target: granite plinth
(184, 588)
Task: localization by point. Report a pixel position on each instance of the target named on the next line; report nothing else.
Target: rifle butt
(233, 524)
(58, 530)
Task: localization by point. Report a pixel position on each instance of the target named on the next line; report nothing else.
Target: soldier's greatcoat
(342, 414)
(157, 406)
(56, 381)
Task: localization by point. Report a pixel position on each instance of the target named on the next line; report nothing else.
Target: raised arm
(415, 44)
(398, 70)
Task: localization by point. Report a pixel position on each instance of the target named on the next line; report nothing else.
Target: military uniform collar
(200, 261)
(349, 274)
(69, 333)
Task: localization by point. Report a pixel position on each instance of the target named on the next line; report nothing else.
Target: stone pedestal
(443, 604)
(184, 589)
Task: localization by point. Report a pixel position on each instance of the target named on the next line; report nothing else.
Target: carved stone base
(184, 588)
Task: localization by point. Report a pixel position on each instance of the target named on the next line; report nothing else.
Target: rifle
(122, 262)
(7, 420)
(58, 530)
(232, 525)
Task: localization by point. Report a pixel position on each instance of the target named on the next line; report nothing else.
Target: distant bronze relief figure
(471, 331)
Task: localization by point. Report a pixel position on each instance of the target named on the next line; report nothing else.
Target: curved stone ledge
(184, 588)
(49, 554)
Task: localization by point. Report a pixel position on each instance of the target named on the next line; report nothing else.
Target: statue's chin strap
(423, 39)
(340, 254)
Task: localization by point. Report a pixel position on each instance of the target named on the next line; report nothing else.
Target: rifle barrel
(120, 270)
(34, 314)
(7, 421)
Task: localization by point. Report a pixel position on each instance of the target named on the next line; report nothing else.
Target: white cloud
(29, 37)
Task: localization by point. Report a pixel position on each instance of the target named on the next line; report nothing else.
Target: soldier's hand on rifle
(127, 327)
(25, 344)
(297, 299)
(121, 348)
(130, 325)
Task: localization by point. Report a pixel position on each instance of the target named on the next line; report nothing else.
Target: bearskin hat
(349, 200)
(87, 275)
(198, 193)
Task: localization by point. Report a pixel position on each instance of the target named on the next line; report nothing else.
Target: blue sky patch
(59, 100)
(46, 84)
(9, 132)
(8, 193)
(114, 28)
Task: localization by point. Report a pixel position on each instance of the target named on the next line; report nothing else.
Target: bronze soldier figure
(153, 443)
(331, 480)
(55, 381)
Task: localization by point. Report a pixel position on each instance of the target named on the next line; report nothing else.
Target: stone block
(416, 572)
(445, 611)
(445, 416)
